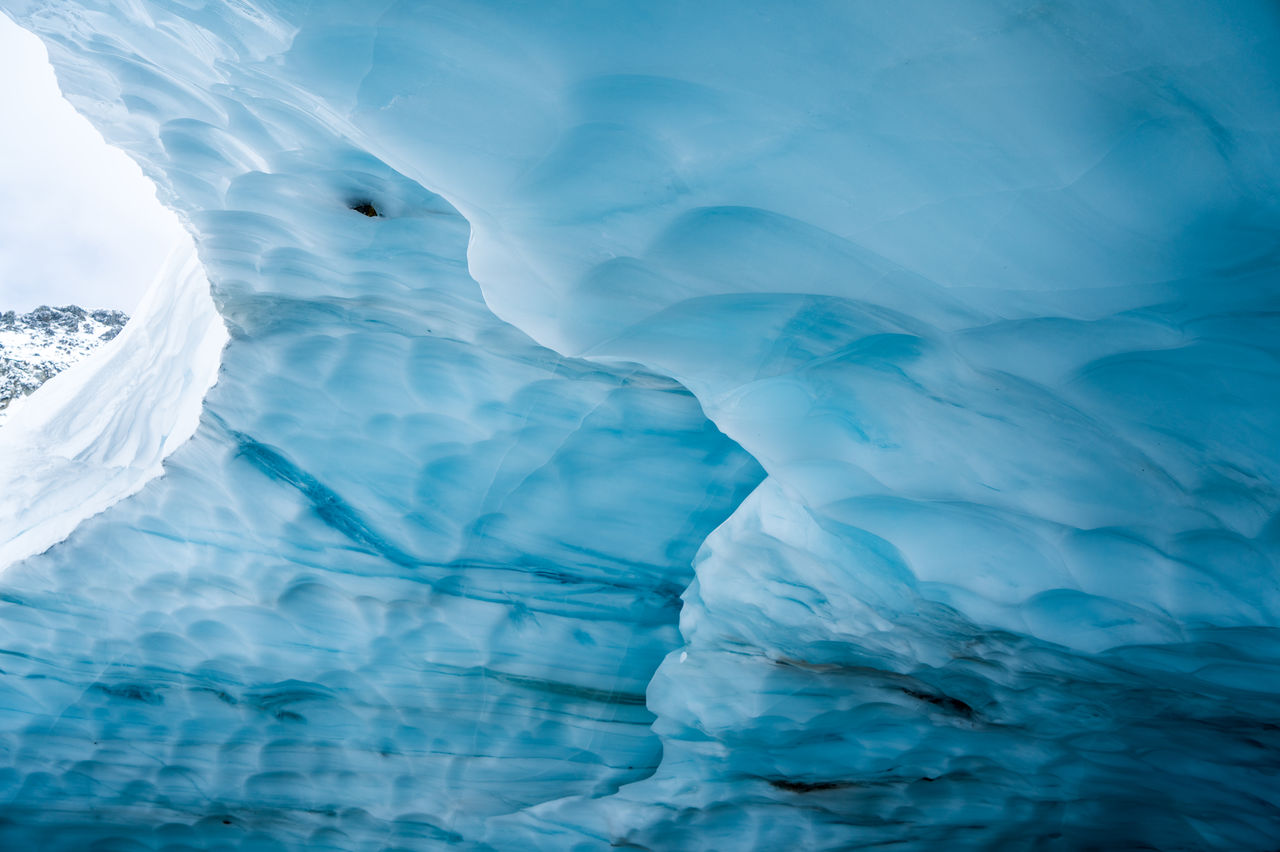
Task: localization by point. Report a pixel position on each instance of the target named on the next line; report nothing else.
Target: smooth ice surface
(740, 427)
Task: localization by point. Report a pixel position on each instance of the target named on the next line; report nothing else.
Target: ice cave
(664, 425)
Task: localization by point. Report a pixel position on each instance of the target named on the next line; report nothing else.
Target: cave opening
(89, 236)
(109, 338)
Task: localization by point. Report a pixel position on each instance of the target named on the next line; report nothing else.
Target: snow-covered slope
(99, 431)
(738, 427)
(37, 345)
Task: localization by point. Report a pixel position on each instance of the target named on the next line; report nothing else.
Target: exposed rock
(36, 346)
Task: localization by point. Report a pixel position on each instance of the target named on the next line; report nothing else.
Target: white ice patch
(98, 432)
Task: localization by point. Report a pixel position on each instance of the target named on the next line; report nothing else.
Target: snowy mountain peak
(37, 345)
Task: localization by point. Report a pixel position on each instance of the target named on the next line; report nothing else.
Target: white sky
(81, 225)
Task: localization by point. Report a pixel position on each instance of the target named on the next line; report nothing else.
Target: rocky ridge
(36, 346)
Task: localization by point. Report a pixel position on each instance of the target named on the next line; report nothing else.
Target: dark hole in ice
(946, 702)
(807, 786)
(366, 207)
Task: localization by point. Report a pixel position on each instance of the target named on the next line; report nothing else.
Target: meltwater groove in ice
(886, 394)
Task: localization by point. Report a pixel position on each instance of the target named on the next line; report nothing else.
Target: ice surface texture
(985, 292)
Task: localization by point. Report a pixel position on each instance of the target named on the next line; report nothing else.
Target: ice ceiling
(742, 426)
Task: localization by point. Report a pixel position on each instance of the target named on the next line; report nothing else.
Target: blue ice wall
(742, 427)
(414, 570)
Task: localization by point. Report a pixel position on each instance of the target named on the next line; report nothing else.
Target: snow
(740, 428)
(94, 434)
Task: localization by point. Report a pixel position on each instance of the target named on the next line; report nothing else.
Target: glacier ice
(742, 426)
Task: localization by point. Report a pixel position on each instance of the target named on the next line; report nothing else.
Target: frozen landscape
(663, 426)
(37, 345)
